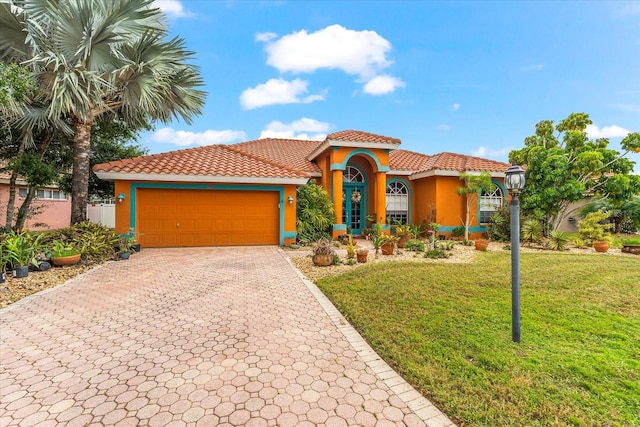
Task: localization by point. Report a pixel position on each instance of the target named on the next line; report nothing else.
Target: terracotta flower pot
(481, 244)
(322, 260)
(361, 257)
(403, 240)
(65, 260)
(601, 246)
(387, 248)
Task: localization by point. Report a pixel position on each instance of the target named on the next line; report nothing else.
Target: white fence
(102, 213)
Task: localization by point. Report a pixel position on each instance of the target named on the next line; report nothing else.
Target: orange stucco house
(245, 194)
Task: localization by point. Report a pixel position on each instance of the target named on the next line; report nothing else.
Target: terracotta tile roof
(209, 160)
(403, 160)
(291, 152)
(359, 136)
(462, 163)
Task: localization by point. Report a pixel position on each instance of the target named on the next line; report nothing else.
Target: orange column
(381, 197)
(337, 200)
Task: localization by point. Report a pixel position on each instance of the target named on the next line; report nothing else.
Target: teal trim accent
(181, 186)
(290, 235)
(386, 227)
(504, 198)
(340, 227)
(343, 165)
(449, 228)
(410, 207)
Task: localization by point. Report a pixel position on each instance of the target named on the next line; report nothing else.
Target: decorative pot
(403, 240)
(125, 255)
(601, 246)
(2, 278)
(323, 260)
(481, 244)
(66, 260)
(21, 271)
(136, 247)
(387, 248)
(362, 257)
(631, 249)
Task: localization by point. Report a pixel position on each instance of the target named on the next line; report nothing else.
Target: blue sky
(466, 77)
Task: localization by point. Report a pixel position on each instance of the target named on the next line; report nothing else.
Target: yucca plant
(532, 231)
(558, 240)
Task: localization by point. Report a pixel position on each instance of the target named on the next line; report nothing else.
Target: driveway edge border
(420, 405)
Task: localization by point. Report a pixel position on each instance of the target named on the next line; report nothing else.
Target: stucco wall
(53, 214)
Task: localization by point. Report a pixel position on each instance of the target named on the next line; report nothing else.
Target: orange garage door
(169, 218)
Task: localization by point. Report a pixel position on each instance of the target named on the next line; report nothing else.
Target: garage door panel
(171, 217)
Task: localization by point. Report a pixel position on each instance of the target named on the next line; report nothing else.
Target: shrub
(500, 229)
(558, 240)
(593, 227)
(323, 247)
(457, 231)
(436, 253)
(532, 231)
(415, 245)
(314, 213)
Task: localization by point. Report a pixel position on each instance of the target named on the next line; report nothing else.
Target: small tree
(314, 213)
(594, 228)
(473, 185)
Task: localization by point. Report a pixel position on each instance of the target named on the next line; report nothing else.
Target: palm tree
(100, 57)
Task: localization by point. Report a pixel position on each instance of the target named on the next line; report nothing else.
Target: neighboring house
(245, 194)
(52, 207)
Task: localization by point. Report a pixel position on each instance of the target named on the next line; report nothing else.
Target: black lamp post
(514, 181)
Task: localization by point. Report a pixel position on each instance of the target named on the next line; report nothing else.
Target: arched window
(398, 201)
(352, 174)
(490, 201)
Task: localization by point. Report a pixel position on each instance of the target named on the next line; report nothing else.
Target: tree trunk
(12, 192)
(24, 208)
(80, 175)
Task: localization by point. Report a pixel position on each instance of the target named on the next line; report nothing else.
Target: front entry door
(353, 207)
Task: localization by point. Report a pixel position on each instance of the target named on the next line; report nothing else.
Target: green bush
(594, 228)
(415, 245)
(314, 213)
(500, 229)
(558, 240)
(436, 253)
(95, 242)
(532, 231)
(457, 231)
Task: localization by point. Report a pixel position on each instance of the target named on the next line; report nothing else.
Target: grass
(446, 328)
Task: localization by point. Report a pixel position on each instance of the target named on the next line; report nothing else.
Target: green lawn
(447, 329)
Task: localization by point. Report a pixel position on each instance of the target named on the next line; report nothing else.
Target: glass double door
(353, 213)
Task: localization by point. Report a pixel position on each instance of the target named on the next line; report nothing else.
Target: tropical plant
(500, 228)
(351, 248)
(60, 249)
(558, 240)
(564, 165)
(415, 245)
(436, 253)
(473, 185)
(21, 248)
(404, 230)
(625, 214)
(532, 231)
(594, 228)
(314, 213)
(100, 57)
(457, 231)
(323, 247)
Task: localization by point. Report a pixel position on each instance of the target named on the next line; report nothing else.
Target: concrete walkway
(191, 337)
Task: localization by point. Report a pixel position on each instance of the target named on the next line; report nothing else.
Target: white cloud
(612, 131)
(277, 91)
(172, 8)
(304, 128)
(362, 53)
(265, 37)
(443, 127)
(185, 138)
(455, 107)
(491, 153)
(382, 84)
(532, 67)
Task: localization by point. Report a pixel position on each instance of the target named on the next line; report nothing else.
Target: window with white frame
(352, 174)
(45, 194)
(398, 202)
(490, 202)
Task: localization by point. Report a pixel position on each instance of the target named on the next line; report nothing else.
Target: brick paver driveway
(175, 337)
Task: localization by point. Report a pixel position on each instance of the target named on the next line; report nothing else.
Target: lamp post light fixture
(514, 181)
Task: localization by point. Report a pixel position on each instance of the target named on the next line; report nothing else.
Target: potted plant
(631, 245)
(594, 230)
(481, 244)
(21, 250)
(404, 234)
(389, 245)
(63, 254)
(125, 246)
(361, 255)
(322, 253)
